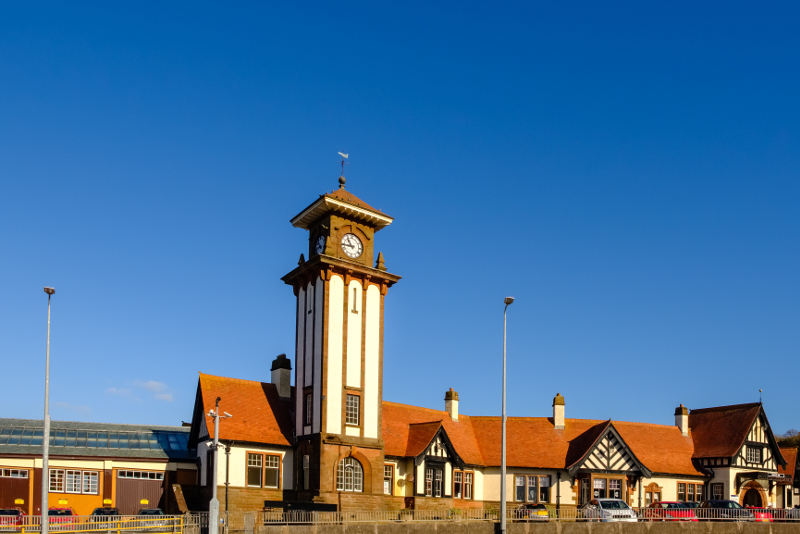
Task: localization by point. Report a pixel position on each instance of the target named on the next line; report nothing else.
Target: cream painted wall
(448, 479)
(354, 323)
(352, 431)
(371, 362)
(14, 462)
(419, 479)
(238, 466)
(333, 395)
(489, 488)
(299, 357)
(477, 485)
(319, 296)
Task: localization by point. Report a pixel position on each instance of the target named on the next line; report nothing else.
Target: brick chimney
(682, 419)
(558, 412)
(282, 375)
(451, 403)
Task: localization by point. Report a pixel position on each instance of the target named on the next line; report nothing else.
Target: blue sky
(628, 172)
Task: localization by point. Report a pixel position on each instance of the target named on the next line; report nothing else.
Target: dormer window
(753, 454)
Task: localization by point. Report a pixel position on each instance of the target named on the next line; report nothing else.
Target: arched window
(350, 475)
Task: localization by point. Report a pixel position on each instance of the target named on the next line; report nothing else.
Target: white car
(608, 510)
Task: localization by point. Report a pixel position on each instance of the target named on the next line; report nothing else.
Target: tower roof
(344, 203)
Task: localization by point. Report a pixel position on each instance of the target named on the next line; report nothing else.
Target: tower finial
(341, 182)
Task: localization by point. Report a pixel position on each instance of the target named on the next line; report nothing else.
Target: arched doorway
(752, 498)
(753, 495)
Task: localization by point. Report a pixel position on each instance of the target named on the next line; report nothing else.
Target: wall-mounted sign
(106, 501)
(19, 501)
(62, 501)
(144, 501)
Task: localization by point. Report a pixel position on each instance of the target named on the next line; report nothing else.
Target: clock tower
(340, 293)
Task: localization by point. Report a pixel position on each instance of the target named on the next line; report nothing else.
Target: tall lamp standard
(46, 433)
(213, 507)
(507, 301)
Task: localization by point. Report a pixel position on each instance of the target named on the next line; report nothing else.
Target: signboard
(144, 501)
(63, 501)
(106, 501)
(19, 501)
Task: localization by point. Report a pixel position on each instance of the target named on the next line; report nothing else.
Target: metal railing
(87, 523)
(250, 522)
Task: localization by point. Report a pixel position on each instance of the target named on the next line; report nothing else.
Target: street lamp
(507, 301)
(46, 432)
(213, 508)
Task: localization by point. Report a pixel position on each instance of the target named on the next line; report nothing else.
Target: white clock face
(319, 248)
(351, 245)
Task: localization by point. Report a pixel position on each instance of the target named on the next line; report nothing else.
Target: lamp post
(213, 507)
(46, 432)
(507, 301)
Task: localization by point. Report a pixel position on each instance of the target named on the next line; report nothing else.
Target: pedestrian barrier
(74, 524)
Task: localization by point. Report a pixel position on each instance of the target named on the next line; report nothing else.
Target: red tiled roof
(420, 436)
(721, 431)
(397, 421)
(790, 455)
(259, 414)
(662, 448)
(533, 442)
(350, 198)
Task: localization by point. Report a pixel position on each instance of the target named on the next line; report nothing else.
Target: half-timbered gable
(609, 454)
(760, 449)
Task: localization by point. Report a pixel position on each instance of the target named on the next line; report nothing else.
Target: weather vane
(344, 157)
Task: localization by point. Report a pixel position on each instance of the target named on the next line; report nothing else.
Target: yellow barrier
(108, 524)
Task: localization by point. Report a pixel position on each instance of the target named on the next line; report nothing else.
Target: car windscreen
(613, 505)
(151, 512)
(9, 512)
(105, 511)
(59, 512)
(674, 505)
(734, 505)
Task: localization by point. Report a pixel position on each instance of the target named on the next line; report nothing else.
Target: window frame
(347, 407)
(59, 482)
(89, 474)
(757, 453)
(255, 456)
(264, 455)
(13, 473)
(696, 491)
(527, 488)
(469, 486)
(714, 487)
(342, 466)
(391, 468)
(279, 468)
(76, 478)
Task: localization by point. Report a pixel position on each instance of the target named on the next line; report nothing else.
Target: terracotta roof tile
(420, 436)
(346, 196)
(662, 448)
(259, 414)
(533, 442)
(790, 455)
(397, 421)
(721, 431)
